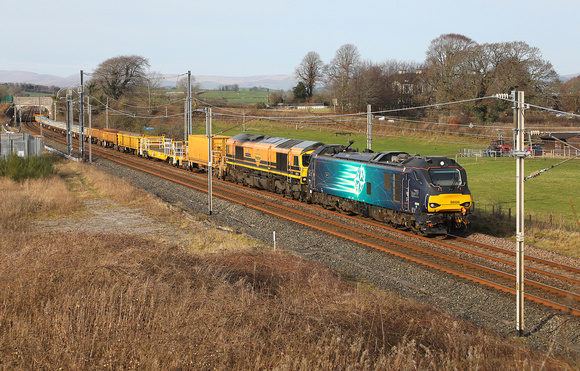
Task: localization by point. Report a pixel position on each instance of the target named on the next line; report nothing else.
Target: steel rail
(487, 256)
(480, 280)
(218, 190)
(513, 253)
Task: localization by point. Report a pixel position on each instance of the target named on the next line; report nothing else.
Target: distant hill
(568, 77)
(274, 82)
(37, 79)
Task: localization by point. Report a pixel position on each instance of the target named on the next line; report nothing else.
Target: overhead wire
(148, 107)
(330, 119)
(132, 114)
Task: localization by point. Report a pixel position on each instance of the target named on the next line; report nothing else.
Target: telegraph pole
(369, 127)
(69, 116)
(107, 113)
(189, 113)
(209, 159)
(40, 113)
(517, 97)
(82, 120)
(90, 131)
(520, 155)
(185, 135)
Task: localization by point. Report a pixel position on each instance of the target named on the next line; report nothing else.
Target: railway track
(547, 283)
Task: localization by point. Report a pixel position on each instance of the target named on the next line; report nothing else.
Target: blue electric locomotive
(427, 194)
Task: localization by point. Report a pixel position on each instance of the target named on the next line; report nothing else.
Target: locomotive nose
(448, 203)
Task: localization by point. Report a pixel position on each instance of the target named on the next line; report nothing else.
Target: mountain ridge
(275, 82)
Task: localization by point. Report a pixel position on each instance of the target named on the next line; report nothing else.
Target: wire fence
(537, 220)
(554, 154)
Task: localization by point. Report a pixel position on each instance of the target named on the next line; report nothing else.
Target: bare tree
(121, 75)
(369, 86)
(182, 84)
(448, 58)
(3, 91)
(310, 72)
(538, 73)
(340, 71)
(503, 67)
(569, 97)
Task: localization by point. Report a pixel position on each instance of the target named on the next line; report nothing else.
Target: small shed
(571, 141)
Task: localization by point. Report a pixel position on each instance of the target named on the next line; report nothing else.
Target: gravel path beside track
(458, 297)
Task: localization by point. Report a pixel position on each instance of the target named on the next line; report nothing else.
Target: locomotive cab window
(445, 177)
(417, 178)
(305, 160)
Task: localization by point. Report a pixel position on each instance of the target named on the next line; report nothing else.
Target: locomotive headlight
(433, 205)
(466, 204)
(304, 179)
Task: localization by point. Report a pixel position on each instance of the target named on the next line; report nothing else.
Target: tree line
(455, 68)
(24, 89)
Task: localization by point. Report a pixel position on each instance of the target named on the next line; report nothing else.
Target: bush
(18, 169)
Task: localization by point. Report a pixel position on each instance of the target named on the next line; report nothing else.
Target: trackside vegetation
(18, 168)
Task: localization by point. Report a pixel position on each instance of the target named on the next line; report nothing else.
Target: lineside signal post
(517, 97)
(520, 155)
(209, 159)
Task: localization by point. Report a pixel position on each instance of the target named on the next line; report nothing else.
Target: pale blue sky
(268, 37)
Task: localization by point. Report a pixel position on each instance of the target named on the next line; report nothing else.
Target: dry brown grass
(561, 241)
(104, 184)
(558, 239)
(82, 301)
(33, 197)
(92, 182)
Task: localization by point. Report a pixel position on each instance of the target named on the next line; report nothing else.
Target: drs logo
(359, 180)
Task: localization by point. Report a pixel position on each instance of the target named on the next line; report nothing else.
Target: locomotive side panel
(261, 156)
(356, 181)
(276, 164)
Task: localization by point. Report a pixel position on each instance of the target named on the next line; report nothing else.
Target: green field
(553, 196)
(433, 146)
(243, 96)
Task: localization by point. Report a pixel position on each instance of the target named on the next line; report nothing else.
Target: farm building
(569, 147)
